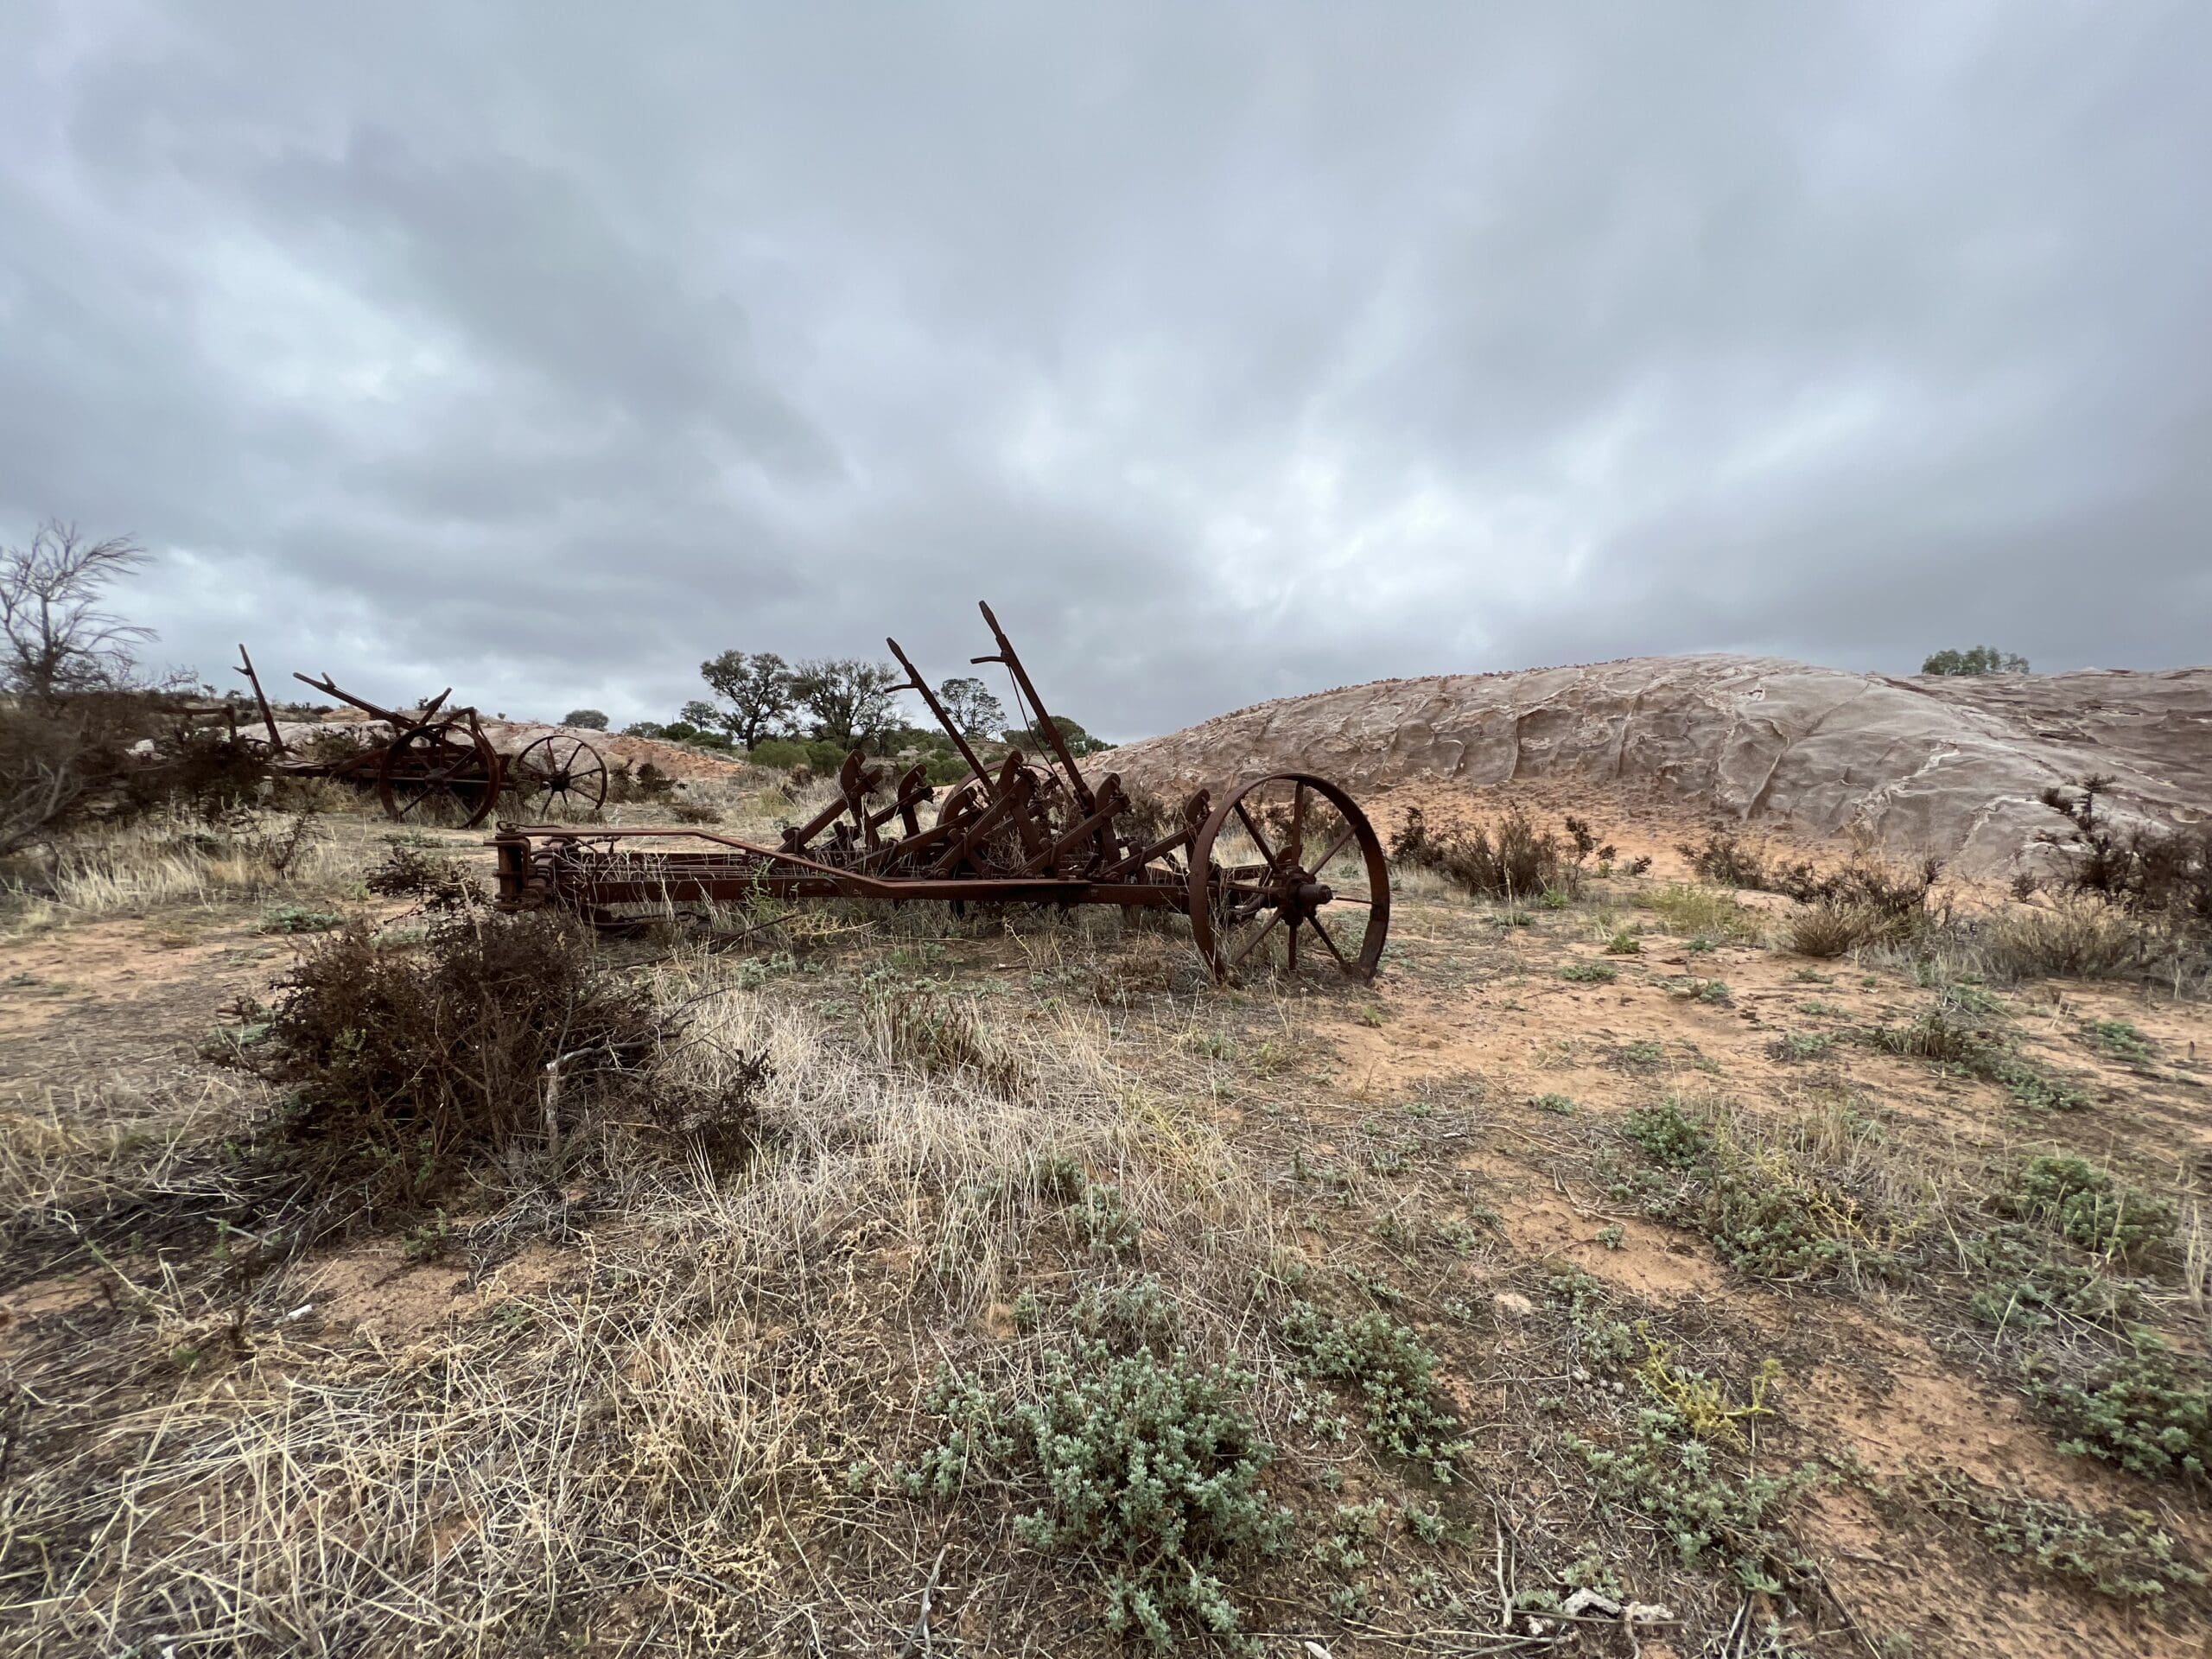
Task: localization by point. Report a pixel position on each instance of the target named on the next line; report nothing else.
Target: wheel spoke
(1297, 848)
(1315, 922)
(1249, 944)
(1337, 847)
(1258, 840)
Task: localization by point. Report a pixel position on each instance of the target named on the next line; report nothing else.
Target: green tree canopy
(758, 693)
(1975, 659)
(972, 707)
(1079, 741)
(847, 702)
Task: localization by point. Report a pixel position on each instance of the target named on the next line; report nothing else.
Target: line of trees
(1973, 661)
(817, 710)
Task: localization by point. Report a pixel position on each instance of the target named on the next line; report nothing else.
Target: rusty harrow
(437, 765)
(1286, 859)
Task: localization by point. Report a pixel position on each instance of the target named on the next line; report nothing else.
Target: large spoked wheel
(557, 771)
(440, 774)
(1287, 860)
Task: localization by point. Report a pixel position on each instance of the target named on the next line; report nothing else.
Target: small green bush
(2085, 1204)
(1797, 1046)
(780, 753)
(1149, 1469)
(1691, 910)
(2025, 1286)
(2126, 1556)
(1667, 1135)
(2121, 1040)
(1940, 1035)
(1393, 1373)
(1138, 1314)
(294, 918)
(1666, 1473)
(1591, 973)
(2141, 1412)
(1694, 989)
(1108, 1226)
(1765, 1227)
(1602, 1341)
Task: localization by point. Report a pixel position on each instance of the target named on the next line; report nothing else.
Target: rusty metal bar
(268, 719)
(1043, 717)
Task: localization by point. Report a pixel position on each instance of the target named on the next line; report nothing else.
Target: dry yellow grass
(668, 1423)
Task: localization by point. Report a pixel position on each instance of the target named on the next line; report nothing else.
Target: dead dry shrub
(1880, 900)
(110, 758)
(1728, 861)
(403, 1064)
(1508, 860)
(938, 1033)
(2160, 880)
(2149, 870)
(1826, 930)
(726, 1353)
(627, 785)
(2075, 936)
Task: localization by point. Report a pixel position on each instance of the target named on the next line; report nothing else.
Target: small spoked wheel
(559, 771)
(1287, 860)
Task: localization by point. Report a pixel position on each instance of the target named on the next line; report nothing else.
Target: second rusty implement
(436, 766)
(1287, 864)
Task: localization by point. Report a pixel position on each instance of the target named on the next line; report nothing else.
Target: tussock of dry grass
(643, 1436)
(1689, 911)
(67, 1153)
(2073, 938)
(175, 864)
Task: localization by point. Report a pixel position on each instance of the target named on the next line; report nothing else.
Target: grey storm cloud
(1230, 351)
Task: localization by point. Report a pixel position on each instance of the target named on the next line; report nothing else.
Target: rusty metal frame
(1022, 832)
(435, 751)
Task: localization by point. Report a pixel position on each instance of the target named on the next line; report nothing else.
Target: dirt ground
(1464, 1146)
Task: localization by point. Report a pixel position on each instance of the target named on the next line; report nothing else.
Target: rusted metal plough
(438, 765)
(1286, 858)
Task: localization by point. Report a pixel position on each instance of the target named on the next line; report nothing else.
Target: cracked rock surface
(1949, 767)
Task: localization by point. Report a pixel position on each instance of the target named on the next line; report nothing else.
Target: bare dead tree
(69, 685)
(55, 638)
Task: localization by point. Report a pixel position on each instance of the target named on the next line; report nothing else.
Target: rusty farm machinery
(436, 764)
(1285, 861)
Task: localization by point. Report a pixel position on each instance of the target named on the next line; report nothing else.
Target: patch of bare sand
(1945, 1599)
(375, 1291)
(1655, 1262)
(117, 1001)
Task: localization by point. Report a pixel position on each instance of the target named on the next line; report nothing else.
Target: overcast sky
(1230, 351)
